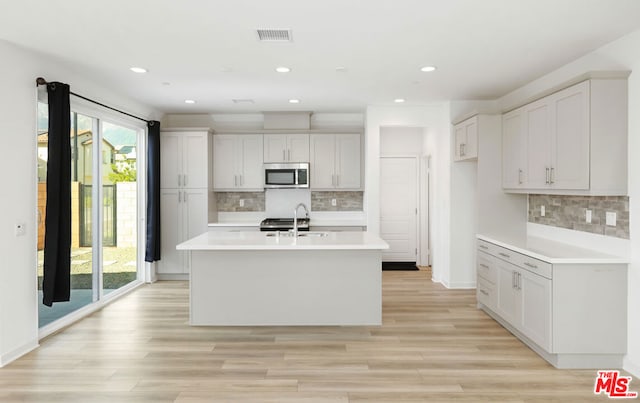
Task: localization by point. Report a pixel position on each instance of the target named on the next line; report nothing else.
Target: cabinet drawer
(533, 265)
(487, 247)
(486, 294)
(486, 267)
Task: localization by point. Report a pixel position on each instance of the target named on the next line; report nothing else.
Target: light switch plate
(542, 211)
(241, 202)
(333, 202)
(611, 218)
(588, 216)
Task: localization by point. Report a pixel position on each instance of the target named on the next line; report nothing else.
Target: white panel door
(539, 139)
(298, 148)
(224, 161)
(570, 149)
(275, 148)
(170, 160)
(172, 260)
(348, 161)
(322, 159)
(398, 208)
(194, 160)
(251, 176)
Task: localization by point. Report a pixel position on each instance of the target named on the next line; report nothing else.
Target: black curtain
(56, 284)
(153, 192)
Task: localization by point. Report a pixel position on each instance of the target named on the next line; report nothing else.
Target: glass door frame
(100, 115)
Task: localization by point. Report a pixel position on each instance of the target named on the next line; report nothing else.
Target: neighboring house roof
(43, 137)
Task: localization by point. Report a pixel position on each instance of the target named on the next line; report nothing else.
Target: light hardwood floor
(434, 345)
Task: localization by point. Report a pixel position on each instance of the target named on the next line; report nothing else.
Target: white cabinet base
(286, 287)
(562, 361)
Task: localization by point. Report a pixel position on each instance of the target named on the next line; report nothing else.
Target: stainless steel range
(283, 224)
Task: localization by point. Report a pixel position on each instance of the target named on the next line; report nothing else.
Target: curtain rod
(42, 81)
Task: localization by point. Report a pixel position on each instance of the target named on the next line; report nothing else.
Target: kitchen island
(266, 278)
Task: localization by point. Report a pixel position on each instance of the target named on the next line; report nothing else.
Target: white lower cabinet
(183, 215)
(573, 315)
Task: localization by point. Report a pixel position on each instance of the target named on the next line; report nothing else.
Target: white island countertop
(253, 240)
(554, 252)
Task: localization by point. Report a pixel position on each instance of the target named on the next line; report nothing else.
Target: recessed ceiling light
(427, 69)
(283, 69)
(189, 101)
(398, 100)
(166, 83)
(294, 101)
(341, 69)
(138, 70)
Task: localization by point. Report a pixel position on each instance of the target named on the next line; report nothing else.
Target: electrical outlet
(334, 202)
(241, 202)
(21, 229)
(587, 216)
(542, 211)
(611, 218)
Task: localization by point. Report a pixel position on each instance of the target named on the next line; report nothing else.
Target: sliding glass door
(104, 209)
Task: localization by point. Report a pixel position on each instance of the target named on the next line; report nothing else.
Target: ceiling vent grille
(274, 35)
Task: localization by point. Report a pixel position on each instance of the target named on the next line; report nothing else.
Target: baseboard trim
(18, 352)
(172, 277)
(631, 367)
(458, 286)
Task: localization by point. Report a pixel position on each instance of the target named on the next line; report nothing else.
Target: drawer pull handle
(484, 265)
(483, 246)
(484, 292)
(533, 266)
(504, 255)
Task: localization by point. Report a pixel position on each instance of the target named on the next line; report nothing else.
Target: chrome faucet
(295, 217)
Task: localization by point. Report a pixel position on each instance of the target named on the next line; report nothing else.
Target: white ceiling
(207, 50)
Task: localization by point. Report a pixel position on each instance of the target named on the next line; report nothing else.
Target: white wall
(435, 120)
(622, 54)
(18, 287)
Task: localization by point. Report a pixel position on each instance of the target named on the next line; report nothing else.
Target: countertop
(253, 240)
(554, 252)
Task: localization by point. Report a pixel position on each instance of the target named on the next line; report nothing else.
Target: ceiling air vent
(274, 35)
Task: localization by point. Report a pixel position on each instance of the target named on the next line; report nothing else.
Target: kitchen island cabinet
(259, 278)
(568, 304)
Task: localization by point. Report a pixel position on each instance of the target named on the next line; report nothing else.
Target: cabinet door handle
(484, 292)
(179, 196)
(551, 175)
(185, 197)
(481, 246)
(533, 266)
(547, 181)
(513, 279)
(504, 255)
(519, 281)
(241, 180)
(235, 180)
(520, 176)
(484, 265)
(289, 155)
(179, 180)
(284, 158)
(184, 180)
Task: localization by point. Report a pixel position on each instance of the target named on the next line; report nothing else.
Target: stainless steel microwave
(286, 175)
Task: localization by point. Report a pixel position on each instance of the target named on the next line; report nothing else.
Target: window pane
(119, 149)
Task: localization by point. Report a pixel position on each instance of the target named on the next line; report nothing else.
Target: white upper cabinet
(286, 148)
(184, 159)
(466, 139)
(514, 149)
(237, 162)
(573, 141)
(335, 161)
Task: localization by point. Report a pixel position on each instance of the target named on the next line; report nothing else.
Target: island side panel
(303, 287)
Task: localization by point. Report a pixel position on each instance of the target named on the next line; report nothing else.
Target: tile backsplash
(345, 201)
(229, 202)
(570, 212)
